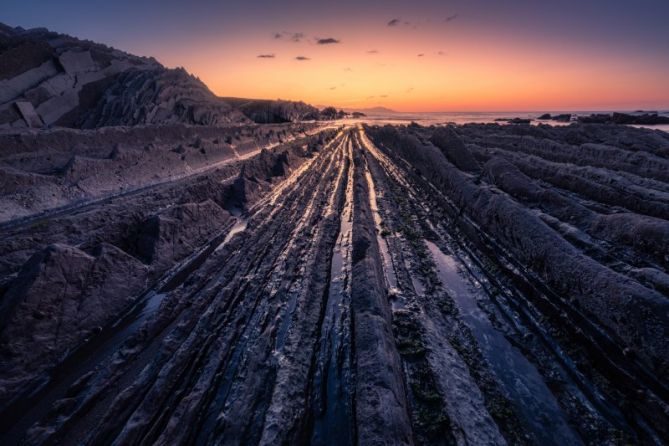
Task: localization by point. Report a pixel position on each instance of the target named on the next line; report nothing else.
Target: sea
(440, 118)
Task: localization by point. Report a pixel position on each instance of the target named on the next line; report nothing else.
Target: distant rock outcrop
(624, 118)
(565, 117)
(274, 112)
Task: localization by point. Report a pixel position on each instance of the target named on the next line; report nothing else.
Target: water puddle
(239, 226)
(533, 401)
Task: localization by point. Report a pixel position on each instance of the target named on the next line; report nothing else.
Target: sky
(419, 55)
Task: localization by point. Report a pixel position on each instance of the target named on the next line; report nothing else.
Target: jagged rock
(74, 62)
(178, 231)
(158, 96)
(29, 114)
(59, 298)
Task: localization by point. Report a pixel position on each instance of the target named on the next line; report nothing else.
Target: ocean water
(439, 118)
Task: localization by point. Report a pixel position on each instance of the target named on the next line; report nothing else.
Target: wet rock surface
(45, 170)
(477, 284)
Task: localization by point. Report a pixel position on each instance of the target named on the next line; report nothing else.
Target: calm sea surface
(483, 117)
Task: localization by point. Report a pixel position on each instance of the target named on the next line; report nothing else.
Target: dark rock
(60, 295)
(623, 118)
(454, 149)
(176, 232)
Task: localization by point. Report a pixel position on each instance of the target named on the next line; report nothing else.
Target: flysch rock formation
(45, 170)
(56, 80)
(474, 284)
(68, 275)
(173, 273)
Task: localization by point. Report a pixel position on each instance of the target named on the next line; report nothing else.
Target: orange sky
(519, 55)
(456, 73)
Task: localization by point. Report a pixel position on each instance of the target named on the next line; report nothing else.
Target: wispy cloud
(398, 22)
(266, 56)
(327, 41)
(441, 53)
(289, 36)
(302, 58)
(372, 52)
(421, 55)
(450, 18)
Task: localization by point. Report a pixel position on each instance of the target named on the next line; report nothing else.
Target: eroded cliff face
(50, 79)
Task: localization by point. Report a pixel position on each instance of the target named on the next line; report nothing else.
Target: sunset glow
(438, 56)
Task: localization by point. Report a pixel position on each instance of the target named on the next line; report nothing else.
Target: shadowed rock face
(454, 149)
(152, 96)
(61, 296)
(179, 231)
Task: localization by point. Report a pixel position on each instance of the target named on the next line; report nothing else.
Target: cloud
(348, 69)
(372, 52)
(421, 55)
(383, 96)
(450, 18)
(440, 53)
(409, 90)
(266, 56)
(327, 41)
(332, 88)
(293, 37)
(302, 58)
(398, 22)
(370, 97)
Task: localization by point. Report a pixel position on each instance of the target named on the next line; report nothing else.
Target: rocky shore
(477, 284)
